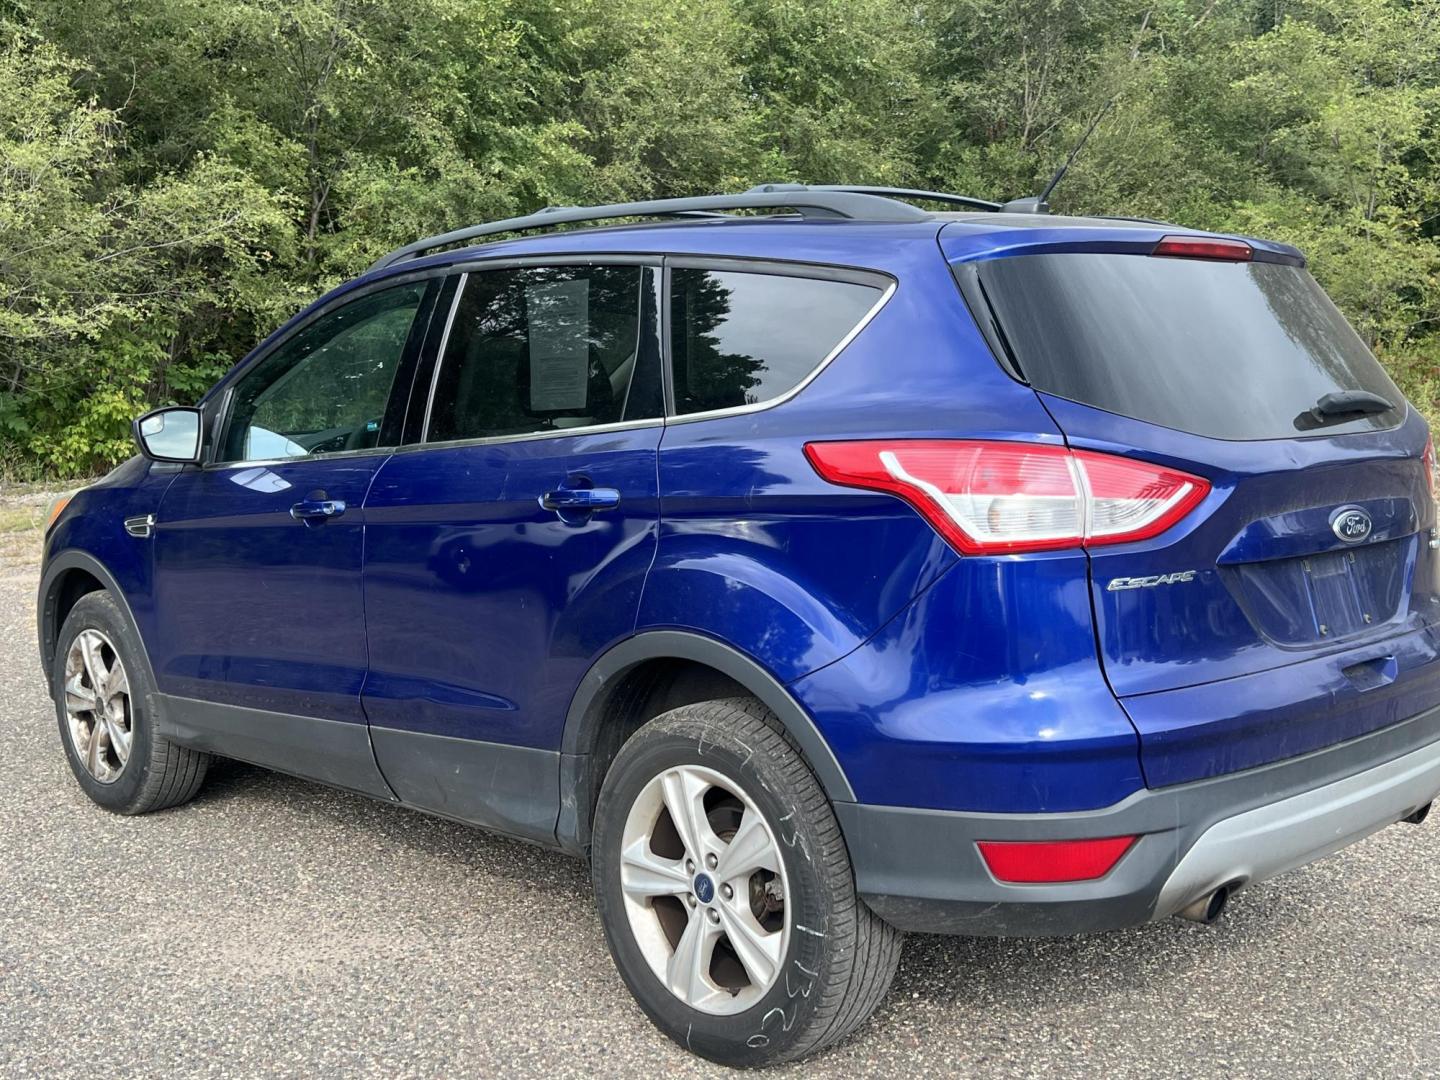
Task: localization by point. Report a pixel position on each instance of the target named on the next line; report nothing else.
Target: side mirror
(171, 434)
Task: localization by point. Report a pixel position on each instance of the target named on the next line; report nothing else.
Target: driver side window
(326, 387)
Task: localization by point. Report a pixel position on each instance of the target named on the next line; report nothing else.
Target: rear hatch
(1299, 604)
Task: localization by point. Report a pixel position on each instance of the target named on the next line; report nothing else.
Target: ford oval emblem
(1352, 525)
(704, 888)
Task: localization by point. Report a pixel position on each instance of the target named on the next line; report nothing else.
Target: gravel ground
(277, 928)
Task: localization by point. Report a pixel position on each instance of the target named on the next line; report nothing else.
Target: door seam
(365, 622)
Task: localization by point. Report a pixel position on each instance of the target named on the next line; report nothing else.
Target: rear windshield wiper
(1343, 405)
(1345, 402)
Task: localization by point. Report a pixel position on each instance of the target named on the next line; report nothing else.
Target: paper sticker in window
(558, 313)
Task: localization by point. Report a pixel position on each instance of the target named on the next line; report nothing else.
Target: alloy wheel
(705, 889)
(97, 706)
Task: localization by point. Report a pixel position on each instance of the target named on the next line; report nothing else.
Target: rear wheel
(726, 891)
(102, 688)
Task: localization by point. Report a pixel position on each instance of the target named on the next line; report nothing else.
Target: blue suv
(818, 566)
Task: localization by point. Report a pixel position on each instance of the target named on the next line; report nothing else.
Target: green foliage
(178, 176)
(112, 289)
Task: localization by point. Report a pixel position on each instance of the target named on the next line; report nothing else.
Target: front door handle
(317, 511)
(580, 500)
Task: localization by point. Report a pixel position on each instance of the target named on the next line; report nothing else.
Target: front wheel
(102, 691)
(726, 890)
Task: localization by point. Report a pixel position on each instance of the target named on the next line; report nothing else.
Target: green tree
(98, 270)
(178, 176)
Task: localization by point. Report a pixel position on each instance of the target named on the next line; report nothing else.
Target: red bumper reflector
(1050, 862)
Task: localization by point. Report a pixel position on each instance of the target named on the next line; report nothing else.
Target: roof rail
(818, 203)
(888, 192)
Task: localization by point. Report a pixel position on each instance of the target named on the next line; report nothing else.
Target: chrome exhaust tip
(1207, 909)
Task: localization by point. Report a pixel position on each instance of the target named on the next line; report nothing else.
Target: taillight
(997, 497)
(1048, 862)
(1197, 247)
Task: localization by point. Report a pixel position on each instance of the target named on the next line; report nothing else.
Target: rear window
(1221, 349)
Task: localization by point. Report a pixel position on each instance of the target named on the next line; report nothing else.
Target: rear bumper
(921, 870)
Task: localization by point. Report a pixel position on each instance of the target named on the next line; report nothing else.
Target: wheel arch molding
(593, 711)
(60, 569)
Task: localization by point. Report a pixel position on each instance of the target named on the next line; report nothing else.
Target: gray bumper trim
(920, 869)
(1270, 840)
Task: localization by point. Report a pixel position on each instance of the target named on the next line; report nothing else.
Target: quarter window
(549, 348)
(326, 387)
(740, 338)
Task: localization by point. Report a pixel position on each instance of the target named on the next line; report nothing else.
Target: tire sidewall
(763, 1032)
(98, 611)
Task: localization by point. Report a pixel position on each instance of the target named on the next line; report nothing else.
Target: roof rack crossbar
(889, 193)
(808, 202)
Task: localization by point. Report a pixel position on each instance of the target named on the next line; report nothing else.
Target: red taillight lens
(1011, 496)
(1030, 863)
(1193, 247)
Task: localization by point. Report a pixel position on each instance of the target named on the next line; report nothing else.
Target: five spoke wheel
(705, 889)
(97, 705)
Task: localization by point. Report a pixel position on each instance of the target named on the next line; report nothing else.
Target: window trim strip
(440, 355)
(528, 436)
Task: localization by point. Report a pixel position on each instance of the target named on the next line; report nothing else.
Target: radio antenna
(1040, 204)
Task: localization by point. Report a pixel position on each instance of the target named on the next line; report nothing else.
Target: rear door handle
(580, 500)
(317, 510)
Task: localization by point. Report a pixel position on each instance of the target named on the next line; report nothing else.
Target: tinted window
(739, 338)
(326, 387)
(548, 348)
(1228, 350)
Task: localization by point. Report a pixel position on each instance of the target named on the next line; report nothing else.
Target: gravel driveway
(274, 927)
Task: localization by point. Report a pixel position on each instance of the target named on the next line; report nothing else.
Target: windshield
(1230, 350)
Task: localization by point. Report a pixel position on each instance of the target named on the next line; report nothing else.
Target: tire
(835, 957)
(154, 773)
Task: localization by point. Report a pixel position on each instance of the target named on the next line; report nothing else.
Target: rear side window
(548, 348)
(1229, 350)
(740, 338)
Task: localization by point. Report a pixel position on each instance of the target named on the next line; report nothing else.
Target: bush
(178, 176)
